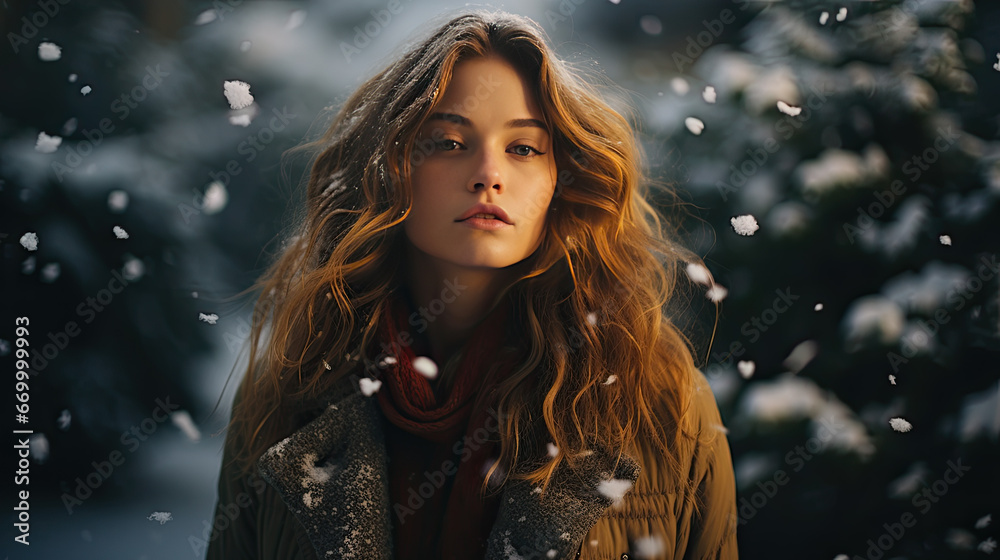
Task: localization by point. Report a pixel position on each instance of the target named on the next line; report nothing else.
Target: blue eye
(527, 150)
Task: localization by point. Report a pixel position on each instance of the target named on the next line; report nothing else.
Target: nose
(487, 173)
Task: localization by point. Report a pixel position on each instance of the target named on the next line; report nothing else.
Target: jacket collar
(332, 474)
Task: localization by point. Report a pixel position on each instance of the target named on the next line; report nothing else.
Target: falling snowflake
(988, 546)
(900, 425)
(611, 379)
(649, 547)
(117, 201)
(182, 419)
(592, 318)
(237, 93)
(64, 420)
(716, 293)
(161, 516)
(551, 553)
(208, 16)
(47, 144)
(945, 239)
(699, 274)
(680, 85)
(709, 94)
(746, 368)
(789, 109)
(86, 89)
(553, 450)
(30, 241)
(984, 521)
(892, 379)
(297, 18)
(694, 125)
(818, 307)
(215, 198)
(120, 233)
(72, 78)
(369, 386)
(245, 46)
(387, 361)
(824, 17)
(615, 490)
(211, 318)
(425, 366)
(842, 14)
(49, 51)
(50, 272)
(744, 225)
(997, 65)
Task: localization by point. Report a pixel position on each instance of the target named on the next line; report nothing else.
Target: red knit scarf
(454, 521)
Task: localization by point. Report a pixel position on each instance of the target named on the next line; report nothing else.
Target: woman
(467, 354)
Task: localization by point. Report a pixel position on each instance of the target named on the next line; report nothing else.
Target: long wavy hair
(591, 303)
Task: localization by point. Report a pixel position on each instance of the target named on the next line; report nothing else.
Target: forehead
(488, 87)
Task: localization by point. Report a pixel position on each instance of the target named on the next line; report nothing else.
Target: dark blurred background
(855, 355)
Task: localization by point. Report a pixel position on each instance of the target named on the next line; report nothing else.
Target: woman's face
(485, 142)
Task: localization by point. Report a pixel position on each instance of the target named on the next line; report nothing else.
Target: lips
(482, 208)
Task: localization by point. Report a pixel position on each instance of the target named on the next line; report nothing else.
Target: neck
(451, 300)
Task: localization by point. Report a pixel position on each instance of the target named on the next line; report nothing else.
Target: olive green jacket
(324, 494)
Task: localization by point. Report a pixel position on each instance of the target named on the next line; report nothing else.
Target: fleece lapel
(530, 526)
(332, 474)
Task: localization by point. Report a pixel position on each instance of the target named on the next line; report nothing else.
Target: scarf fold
(435, 473)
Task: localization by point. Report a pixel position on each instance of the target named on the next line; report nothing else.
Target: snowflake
(614, 490)
(161, 516)
(945, 239)
(983, 521)
(699, 274)
(900, 425)
(425, 366)
(694, 125)
(49, 51)
(237, 93)
(716, 293)
(120, 233)
(47, 144)
(553, 450)
(30, 241)
(988, 546)
(824, 17)
(611, 379)
(892, 379)
(709, 94)
(842, 14)
(746, 368)
(789, 109)
(211, 318)
(369, 386)
(745, 224)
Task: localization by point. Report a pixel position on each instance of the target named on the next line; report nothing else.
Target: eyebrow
(463, 121)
